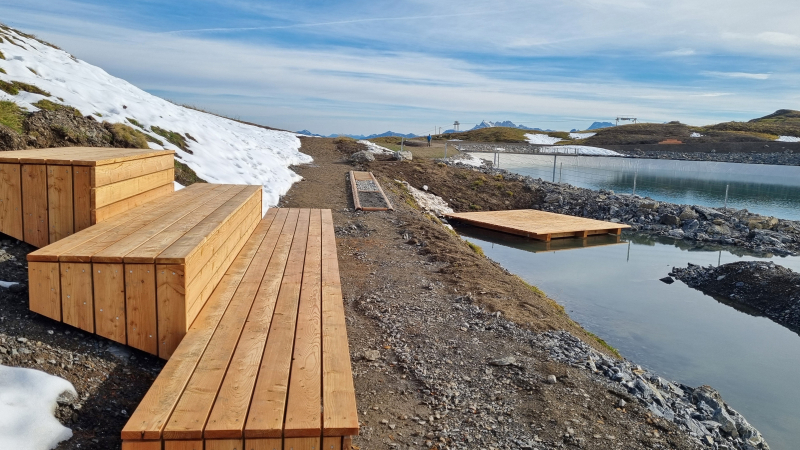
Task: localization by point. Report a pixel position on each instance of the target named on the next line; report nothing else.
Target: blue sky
(409, 66)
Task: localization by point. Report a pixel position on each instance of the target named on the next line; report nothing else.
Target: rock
(688, 214)
(718, 229)
(372, 355)
(691, 226)
(507, 361)
(708, 213)
(553, 198)
(667, 280)
(726, 422)
(66, 398)
(10, 139)
(551, 379)
(622, 403)
(403, 155)
(676, 233)
(669, 219)
(649, 205)
(65, 128)
(362, 157)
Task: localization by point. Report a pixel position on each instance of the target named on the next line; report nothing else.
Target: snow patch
(223, 150)
(427, 201)
(580, 150)
(788, 139)
(8, 284)
(468, 159)
(27, 403)
(375, 148)
(695, 135)
(178, 186)
(581, 135)
(541, 139)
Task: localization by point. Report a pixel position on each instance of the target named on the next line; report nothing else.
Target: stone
(362, 157)
(551, 379)
(552, 198)
(677, 233)
(507, 361)
(726, 422)
(403, 155)
(622, 403)
(667, 280)
(649, 205)
(372, 355)
(669, 219)
(688, 214)
(691, 226)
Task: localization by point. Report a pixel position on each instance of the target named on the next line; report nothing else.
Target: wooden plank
(264, 444)
(307, 443)
(109, 301)
(347, 443)
(265, 418)
(60, 156)
(183, 445)
(383, 194)
(44, 291)
(121, 171)
(77, 306)
(229, 412)
(340, 417)
(106, 212)
(11, 200)
(53, 251)
(81, 197)
(224, 444)
(117, 251)
(303, 418)
(354, 189)
(332, 443)
(192, 411)
(34, 205)
(147, 252)
(59, 202)
(149, 418)
(140, 306)
(92, 156)
(113, 193)
(171, 307)
(142, 445)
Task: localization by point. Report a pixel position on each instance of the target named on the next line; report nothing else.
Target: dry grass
(11, 116)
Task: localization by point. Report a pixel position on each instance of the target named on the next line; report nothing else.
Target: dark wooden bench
(265, 365)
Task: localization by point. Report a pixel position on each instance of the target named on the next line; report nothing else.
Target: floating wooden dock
(367, 192)
(540, 225)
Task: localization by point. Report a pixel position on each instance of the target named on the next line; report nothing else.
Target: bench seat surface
(266, 363)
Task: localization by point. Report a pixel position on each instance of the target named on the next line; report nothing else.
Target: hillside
(46, 91)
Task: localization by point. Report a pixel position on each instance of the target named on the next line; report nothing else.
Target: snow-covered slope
(225, 151)
(541, 139)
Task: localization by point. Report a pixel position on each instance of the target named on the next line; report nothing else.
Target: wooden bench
(46, 195)
(265, 365)
(142, 277)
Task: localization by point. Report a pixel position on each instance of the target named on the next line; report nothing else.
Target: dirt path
(442, 339)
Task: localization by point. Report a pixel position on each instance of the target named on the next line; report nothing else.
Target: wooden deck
(48, 194)
(371, 198)
(266, 363)
(142, 277)
(538, 225)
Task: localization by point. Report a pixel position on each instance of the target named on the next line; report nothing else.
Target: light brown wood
(332, 443)
(268, 406)
(149, 418)
(183, 445)
(34, 205)
(303, 418)
(171, 306)
(113, 193)
(109, 301)
(229, 412)
(116, 172)
(307, 443)
(354, 190)
(141, 445)
(81, 197)
(264, 444)
(383, 194)
(44, 290)
(87, 156)
(347, 443)
(11, 200)
(536, 224)
(77, 306)
(59, 202)
(224, 444)
(106, 212)
(340, 417)
(140, 306)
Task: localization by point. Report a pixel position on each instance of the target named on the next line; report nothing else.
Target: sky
(364, 67)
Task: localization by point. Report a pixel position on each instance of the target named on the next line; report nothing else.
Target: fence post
(554, 166)
(635, 174)
(726, 195)
(445, 149)
(560, 169)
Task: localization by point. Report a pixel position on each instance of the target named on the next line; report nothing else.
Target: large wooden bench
(48, 194)
(265, 365)
(142, 277)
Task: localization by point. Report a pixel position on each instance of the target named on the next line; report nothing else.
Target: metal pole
(445, 149)
(560, 169)
(402, 143)
(726, 195)
(634, 181)
(554, 167)
(498, 160)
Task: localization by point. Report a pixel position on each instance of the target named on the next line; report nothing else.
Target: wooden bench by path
(48, 194)
(265, 365)
(142, 277)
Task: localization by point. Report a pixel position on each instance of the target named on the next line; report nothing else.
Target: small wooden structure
(46, 195)
(142, 277)
(266, 364)
(367, 192)
(540, 225)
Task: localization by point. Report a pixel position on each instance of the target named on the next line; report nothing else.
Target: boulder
(362, 157)
(687, 214)
(669, 219)
(649, 204)
(691, 226)
(403, 155)
(726, 422)
(552, 198)
(708, 213)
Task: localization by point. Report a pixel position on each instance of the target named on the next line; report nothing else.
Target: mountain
(596, 125)
(505, 123)
(308, 133)
(40, 80)
(361, 136)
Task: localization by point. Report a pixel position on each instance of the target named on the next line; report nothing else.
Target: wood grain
(77, 306)
(59, 202)
(121, 171)
(106, 212)
(140, 306)
(113, 193)
(11, 200)
(34, 205)
(44, 290)
(81, 197)
(109, 301)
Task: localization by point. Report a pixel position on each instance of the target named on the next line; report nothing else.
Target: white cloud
(779, 39)
(745, 75)
(680, 52)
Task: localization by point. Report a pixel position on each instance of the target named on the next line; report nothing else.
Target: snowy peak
(219, 150)
(505, 123)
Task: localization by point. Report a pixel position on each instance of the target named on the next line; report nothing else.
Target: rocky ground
(691, 223)
(762, 288)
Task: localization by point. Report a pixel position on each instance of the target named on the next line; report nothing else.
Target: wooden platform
(48, 194)
(266, 363)
(539, 225)
(142, 277)
(367, 192)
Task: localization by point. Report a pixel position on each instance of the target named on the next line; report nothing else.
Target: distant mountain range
(596, 125)
(361, 136)
(505, 123)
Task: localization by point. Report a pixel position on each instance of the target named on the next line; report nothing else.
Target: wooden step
(111, 278)
(266, 354)
(48, 194)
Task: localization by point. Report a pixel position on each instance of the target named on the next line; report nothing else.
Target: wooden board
(116, 172)
(367, 176)
(11, 200)
(106, 212)
(81, 197)
(539, 225)
(113, 193)
(44, 289)
(77, 305)
(140, 307)
(34, 205)
(59, 202)
(109, 301)
(87, 156)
